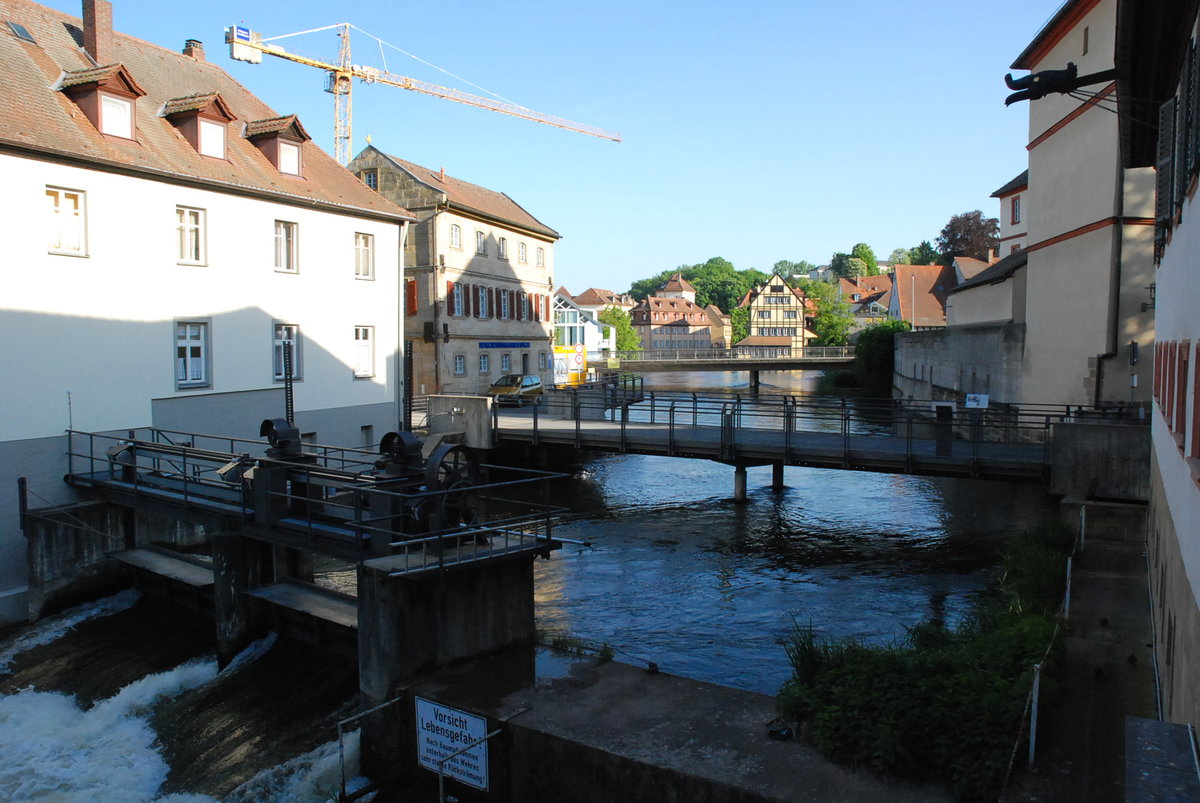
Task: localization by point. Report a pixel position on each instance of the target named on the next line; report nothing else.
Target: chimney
(97, 31)
(443, 175)
(194, 48)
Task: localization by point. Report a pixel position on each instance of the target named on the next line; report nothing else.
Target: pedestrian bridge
(753, 359)
(924, 438)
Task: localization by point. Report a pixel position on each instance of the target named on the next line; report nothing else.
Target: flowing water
(121, 700)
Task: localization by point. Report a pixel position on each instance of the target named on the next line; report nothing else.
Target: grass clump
(942, 704)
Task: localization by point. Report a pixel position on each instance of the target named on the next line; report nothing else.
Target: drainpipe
(435, 290)
(1114, 288)
(401, 310)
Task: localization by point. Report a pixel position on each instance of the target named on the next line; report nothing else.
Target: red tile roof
(473, 198)
(39, 120)
(595, 296)
(928, 284)
(677, 284)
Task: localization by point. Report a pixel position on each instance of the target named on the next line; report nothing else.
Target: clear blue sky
(756, 132)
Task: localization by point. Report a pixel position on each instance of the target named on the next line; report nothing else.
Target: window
(285, 246)
(191, 354)
(364, 255)
(212, 139)
(505, 363)
(364, 351)
(289, 158)
(777, 299)
(484, 364)
(456, 299)
(541, 257)
(524, 306)
(481, 303)
(371, 178)
(541, 361)
(1014, 249)
(504, 248)
(505, 296)
(460, 365)
(116, 116)
(67, 221)
(764, 313)
(1016, 209)
(522, 253)
(1085, 40)
(789, 313)
(455, 235)
(287, 339)
(481, 243)
(190, 225)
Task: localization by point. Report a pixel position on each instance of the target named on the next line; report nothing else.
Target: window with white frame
(541, 257)
(481, 243)
(505, 363)
(67, 221)
(503, 251)
(541, 361)
(212, 139)
(460, 365)
(522, 253)
(455, 235)
(481, 302)
(287, 338)
(505, 300)
(1016, 209)
(364, 351)
(364, 255)
(789, 313)
(524, 306)
(189, 223)
(485, 364)
(764, 313)
(286, 243)
(456, 299)
(116, 116)
(191, 354)
(289, 158)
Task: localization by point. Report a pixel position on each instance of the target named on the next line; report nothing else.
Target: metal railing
(838, 353)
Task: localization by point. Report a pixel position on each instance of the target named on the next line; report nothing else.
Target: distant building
(575, 327)
(721, 327)
(479, 278)
(780, 316)
(171, 238)
(671, 318)
(596, 300)
(868, 298)
(918, 295)
(1014, 212)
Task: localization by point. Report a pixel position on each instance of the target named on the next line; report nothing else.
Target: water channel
(122, 701)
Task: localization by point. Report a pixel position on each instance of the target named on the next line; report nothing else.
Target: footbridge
(907, 437)
(752, 359)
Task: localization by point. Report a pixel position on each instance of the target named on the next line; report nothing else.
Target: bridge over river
(754, 359)
(925, 438)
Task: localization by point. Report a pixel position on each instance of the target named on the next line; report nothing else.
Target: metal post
(1082, 525)
(456, 754)
(1067, 595)
(536, 405)
(624, 422)
(1033, 711)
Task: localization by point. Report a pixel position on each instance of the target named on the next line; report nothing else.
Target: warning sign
(443, 731)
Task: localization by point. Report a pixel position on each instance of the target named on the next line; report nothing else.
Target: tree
(969, 235)
(786, 268)
(840, 265)
(833, 318)
(901, 256)
(857, 268)
(627, 337)
(874, 356)
(740, 318)
(863, 251)
(716, 281)
(923, 254)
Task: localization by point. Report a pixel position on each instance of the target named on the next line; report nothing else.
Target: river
(122, 701)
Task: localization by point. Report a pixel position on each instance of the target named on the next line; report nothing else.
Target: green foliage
(923, 254)
(627, 337)
(716, 281)
(739, 318)
(943, 703)
(863, 251)
(969, 235)
(839, 263)
(788, 269)
(874, 357)
(833, 318)
(901, 256)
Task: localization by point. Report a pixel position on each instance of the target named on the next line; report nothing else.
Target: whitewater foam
(52, 627)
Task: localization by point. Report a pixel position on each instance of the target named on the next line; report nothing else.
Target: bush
(943, 703)
(874, 356)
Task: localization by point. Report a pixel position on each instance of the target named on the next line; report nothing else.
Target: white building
(167, 234)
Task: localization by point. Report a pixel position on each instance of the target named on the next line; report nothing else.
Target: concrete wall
(471, 415)
(949, 363)
(1095, 460)
(988, 303)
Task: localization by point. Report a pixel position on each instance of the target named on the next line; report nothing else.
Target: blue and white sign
(443, 731)
(504, 345)
(241, 33)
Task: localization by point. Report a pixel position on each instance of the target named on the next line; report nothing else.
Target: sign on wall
(442, 731)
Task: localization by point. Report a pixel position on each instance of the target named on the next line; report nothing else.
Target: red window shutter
(1169, 410)
(1181, 389)
(1157, 392)
(1196, 406)
(449, 298)
(537, 307)
(493, 303)
(470, 292)
(410, 297)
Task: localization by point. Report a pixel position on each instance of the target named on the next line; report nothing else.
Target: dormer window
(106, 95)
(202, 120)
(280, 139)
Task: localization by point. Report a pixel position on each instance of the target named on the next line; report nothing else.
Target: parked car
(516, 389)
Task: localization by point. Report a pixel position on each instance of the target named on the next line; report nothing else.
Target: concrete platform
(317, 603)
(603, 731)
(165, 565)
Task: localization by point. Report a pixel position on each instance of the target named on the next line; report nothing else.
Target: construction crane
(247, 45)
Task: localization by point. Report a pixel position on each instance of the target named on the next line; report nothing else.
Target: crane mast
(247, 45)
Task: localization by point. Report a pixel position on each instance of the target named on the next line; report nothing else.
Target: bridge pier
(777, 476)
(239, 565)
(739, 485)
(754, 380)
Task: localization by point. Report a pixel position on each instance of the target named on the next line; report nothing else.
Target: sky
(756, 132)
